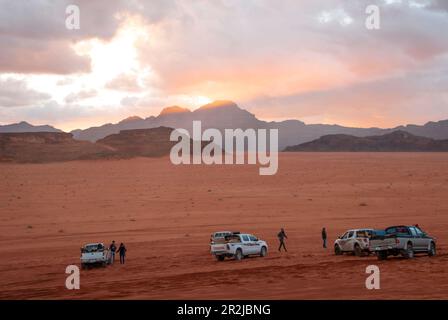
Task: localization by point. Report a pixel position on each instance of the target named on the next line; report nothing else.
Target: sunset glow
(314, 61)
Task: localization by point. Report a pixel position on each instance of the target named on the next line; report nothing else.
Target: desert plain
(166, 213)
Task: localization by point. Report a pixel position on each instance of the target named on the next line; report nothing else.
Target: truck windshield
(378, 233)
(230, 238)
(398, 231)
(93, 248)
(363, 233)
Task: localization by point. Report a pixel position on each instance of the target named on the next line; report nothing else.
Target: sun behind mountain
(174, 109)
(131, 119)
(219, 104)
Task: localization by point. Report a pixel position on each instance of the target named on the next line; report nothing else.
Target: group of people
(121, 250)
(282, 236)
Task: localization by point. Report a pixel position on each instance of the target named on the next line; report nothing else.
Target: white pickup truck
(94, 254)
(238, 246)
(356, 241)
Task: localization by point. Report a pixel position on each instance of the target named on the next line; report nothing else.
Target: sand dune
(165, 215)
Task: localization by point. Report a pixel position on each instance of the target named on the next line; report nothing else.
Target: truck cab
(238, 246)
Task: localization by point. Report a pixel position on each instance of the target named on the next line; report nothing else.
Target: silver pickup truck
(402, 240)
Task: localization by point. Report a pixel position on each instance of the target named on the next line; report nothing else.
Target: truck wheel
(432, 250)
(238, 254)
(337, 250)
(357, 250)
(409, 252)
(263, 252)
(381, 255)
(220, 258)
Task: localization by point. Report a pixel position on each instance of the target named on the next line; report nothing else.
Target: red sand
(165, 215)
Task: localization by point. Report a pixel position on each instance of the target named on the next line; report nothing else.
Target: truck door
(423, 241)
(349, 245)
(255, 246)
(247, 248)
(343, 242)
(417, 241)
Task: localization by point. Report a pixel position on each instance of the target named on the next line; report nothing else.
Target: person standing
(281, 237)
(112, 249)
(122, 251)
(324, 237)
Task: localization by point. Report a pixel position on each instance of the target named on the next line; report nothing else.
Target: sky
(312, 60)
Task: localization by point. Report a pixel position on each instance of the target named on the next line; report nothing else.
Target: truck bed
(383, 243)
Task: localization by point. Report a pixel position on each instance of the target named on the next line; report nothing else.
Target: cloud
(338, 15)
(311, 59)
(125, 82)
(220, 46)
(34, 38)
(441, 5)
(15, 93)
(36, 56)
(419, 95)
(81, 95)
(129, 101)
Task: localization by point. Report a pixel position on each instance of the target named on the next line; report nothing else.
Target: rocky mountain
(40, 147)
(37, 147)
(139, 142)
(435, 130)
(397, 141)
(219, 114)
(26, 127)
(227, 115)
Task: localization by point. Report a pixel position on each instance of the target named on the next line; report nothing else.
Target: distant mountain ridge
(225, 114)
(26, 127)
(397, 141)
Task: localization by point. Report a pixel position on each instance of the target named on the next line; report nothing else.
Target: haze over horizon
(313, 61)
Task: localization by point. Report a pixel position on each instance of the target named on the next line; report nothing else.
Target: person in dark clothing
(324, 237)
(122, 251)
(281, 237)
(113, 249)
